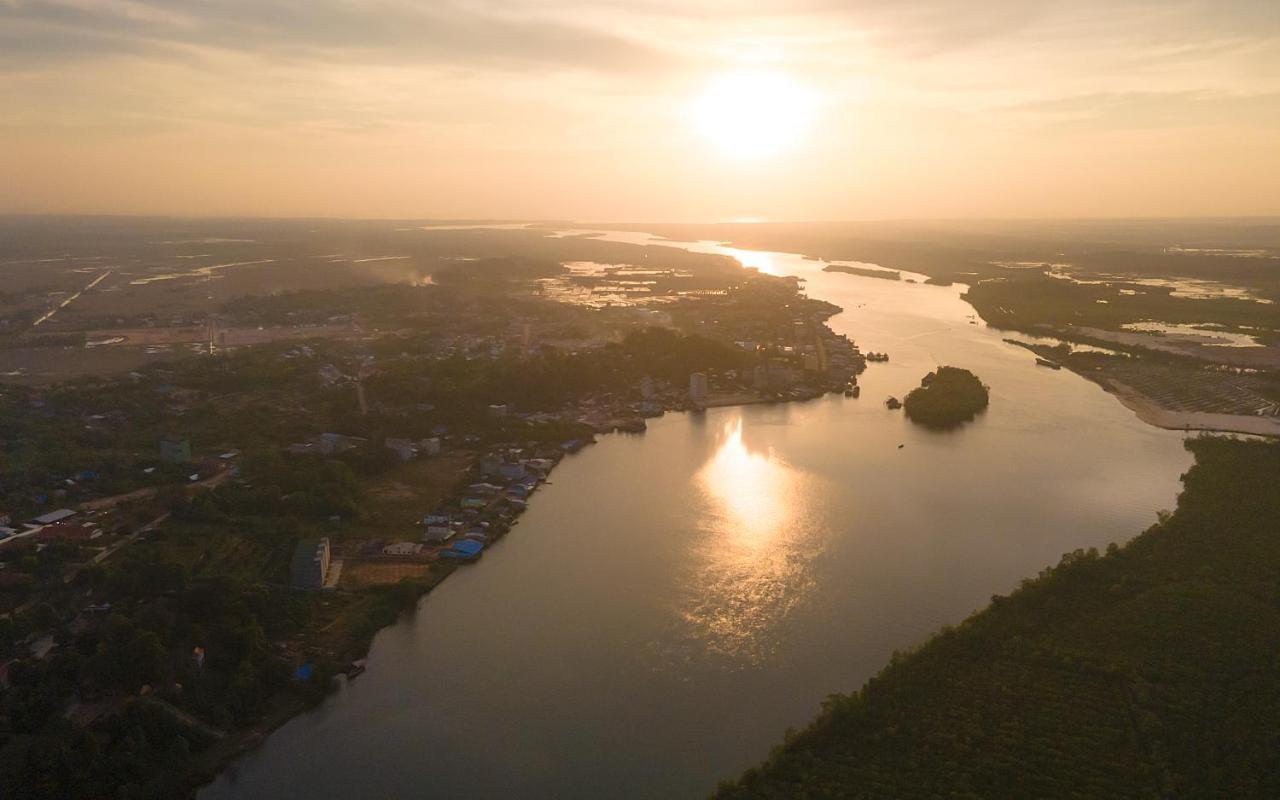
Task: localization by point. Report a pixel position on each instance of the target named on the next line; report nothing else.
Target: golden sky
(647, 111)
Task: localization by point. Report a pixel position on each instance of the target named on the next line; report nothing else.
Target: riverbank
(1183, 383)
(1152, 414)
(287, 705)
(1080, 682)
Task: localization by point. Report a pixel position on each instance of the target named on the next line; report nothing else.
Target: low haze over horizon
(642, 110)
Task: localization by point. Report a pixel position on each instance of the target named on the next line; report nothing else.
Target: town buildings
(310, 564)
(698, 387)
(175, 450)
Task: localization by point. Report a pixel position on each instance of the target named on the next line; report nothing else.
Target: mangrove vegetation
(946, 398)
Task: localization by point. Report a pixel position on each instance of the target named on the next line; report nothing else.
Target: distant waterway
(673, 601)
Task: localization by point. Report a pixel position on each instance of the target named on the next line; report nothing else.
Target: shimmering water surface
(673, 601)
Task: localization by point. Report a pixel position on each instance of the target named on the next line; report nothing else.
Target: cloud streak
(41, 32)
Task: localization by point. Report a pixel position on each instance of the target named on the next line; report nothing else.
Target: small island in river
(866, 272)
(946, 398)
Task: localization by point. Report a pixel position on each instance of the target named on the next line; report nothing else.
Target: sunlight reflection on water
(754, 562)
(752, 259)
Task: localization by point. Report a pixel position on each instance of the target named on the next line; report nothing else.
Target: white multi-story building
(698, 386)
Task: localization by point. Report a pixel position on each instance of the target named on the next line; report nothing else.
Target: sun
(751, 115)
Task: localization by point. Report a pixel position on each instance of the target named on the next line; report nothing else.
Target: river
(673, 601)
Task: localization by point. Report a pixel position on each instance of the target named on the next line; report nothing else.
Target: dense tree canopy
(947, 397)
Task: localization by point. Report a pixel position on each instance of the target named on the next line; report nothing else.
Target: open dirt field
(359, 574)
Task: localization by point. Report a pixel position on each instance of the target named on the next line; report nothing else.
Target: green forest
(1152, 670)
(946, 398)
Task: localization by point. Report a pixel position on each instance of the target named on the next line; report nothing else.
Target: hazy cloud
(436, 32)
(1146, 110)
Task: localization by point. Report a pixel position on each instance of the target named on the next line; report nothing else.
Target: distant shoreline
(1152, 414)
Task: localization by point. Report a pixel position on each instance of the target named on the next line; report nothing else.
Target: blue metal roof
(464, 548)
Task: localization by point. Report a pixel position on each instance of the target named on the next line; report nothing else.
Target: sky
(654, 110)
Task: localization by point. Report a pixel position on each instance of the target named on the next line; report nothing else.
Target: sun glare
(753, 114)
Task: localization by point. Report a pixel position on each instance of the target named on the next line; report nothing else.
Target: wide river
(672, 602)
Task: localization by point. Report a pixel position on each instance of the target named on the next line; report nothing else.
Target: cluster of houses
(177, 450)
(509, 475)
(327, 444)
(407, 449)
(332, 444)
(173, 450)
(460, 528)
(62, 525)
(59, 525)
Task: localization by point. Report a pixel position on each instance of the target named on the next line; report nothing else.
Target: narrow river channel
(673, 601)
